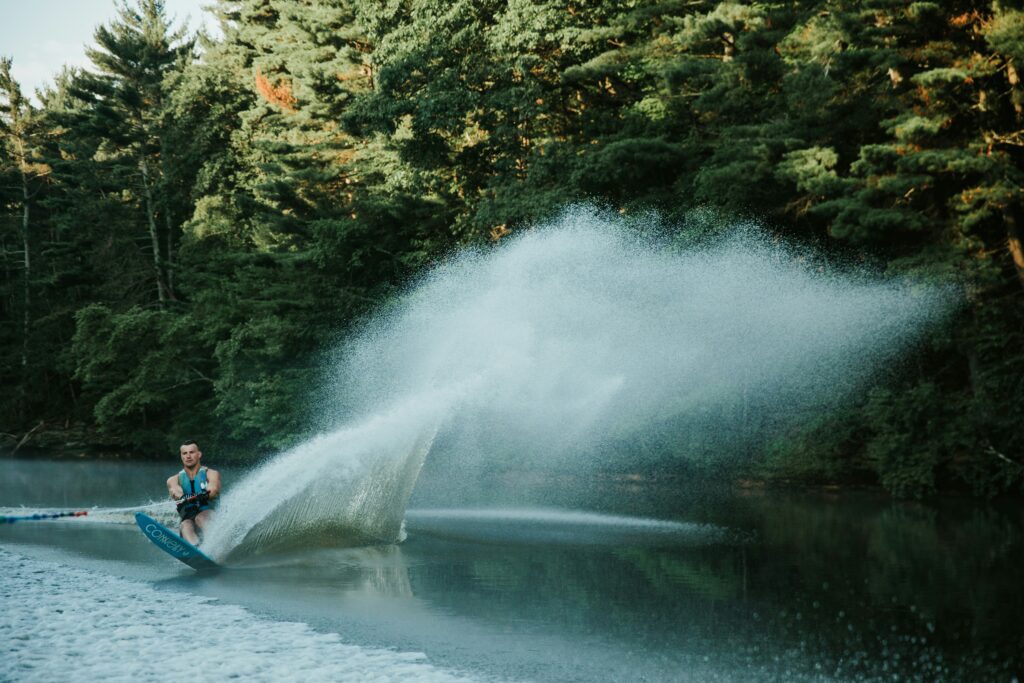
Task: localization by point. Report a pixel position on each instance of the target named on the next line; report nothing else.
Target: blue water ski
(173, 544)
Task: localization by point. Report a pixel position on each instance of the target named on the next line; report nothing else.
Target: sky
(43, 35)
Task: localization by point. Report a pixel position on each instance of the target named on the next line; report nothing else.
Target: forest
(190, 224)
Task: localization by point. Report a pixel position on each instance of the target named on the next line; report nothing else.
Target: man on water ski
(194, 488)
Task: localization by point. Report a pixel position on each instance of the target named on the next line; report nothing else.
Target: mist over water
(561, 343)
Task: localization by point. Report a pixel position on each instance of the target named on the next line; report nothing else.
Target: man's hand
(200, 498)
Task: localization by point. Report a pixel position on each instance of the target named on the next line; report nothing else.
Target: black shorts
(190, 512)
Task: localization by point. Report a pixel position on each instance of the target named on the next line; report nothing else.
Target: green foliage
(822, 449)
(907, 448)
(202, 228)
(123, 112)
(812, 170)
(145, 371)
(1005, 33)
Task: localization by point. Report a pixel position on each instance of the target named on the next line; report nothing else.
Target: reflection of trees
(938, 576)
(630, 593)
(854, 585)
(667, 574)
(956, 572)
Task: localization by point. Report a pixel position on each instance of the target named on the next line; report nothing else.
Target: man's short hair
(189, 442)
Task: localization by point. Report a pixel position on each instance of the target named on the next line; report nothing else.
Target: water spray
(556, 347)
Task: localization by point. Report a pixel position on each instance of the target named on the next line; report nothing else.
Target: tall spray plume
(561, 345)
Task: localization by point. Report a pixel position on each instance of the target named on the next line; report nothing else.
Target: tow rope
(39, 515)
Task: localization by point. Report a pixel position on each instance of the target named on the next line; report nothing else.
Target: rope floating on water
(39, 515)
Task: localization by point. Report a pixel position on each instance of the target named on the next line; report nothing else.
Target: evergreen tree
(23, 176)
(318, 155)
(122, 199)
(126, 101)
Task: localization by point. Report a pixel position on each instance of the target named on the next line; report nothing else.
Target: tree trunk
(27, 317)
(1013, 241)
(154, 237)
(170, 255)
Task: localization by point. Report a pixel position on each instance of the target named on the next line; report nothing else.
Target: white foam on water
(60, 623)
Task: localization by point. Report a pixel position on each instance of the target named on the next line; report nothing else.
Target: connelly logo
(169, 542)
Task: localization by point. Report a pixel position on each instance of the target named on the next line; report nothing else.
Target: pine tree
(927, 179)
(126, 101)
(20, 137)
(274, 221)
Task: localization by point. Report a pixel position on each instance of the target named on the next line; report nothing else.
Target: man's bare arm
(213, 483)
(174, 488)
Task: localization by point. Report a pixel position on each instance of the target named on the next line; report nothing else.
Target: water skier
(194, 489)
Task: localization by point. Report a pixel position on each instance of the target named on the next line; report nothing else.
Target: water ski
(173, 544)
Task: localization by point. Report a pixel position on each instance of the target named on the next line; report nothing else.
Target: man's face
(190, 455)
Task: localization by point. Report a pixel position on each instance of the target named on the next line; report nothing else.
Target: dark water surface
(635, 581)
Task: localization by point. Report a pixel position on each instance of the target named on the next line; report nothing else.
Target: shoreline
(742, 484)
(79, 443)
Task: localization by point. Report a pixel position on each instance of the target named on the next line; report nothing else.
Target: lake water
(636, 581)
